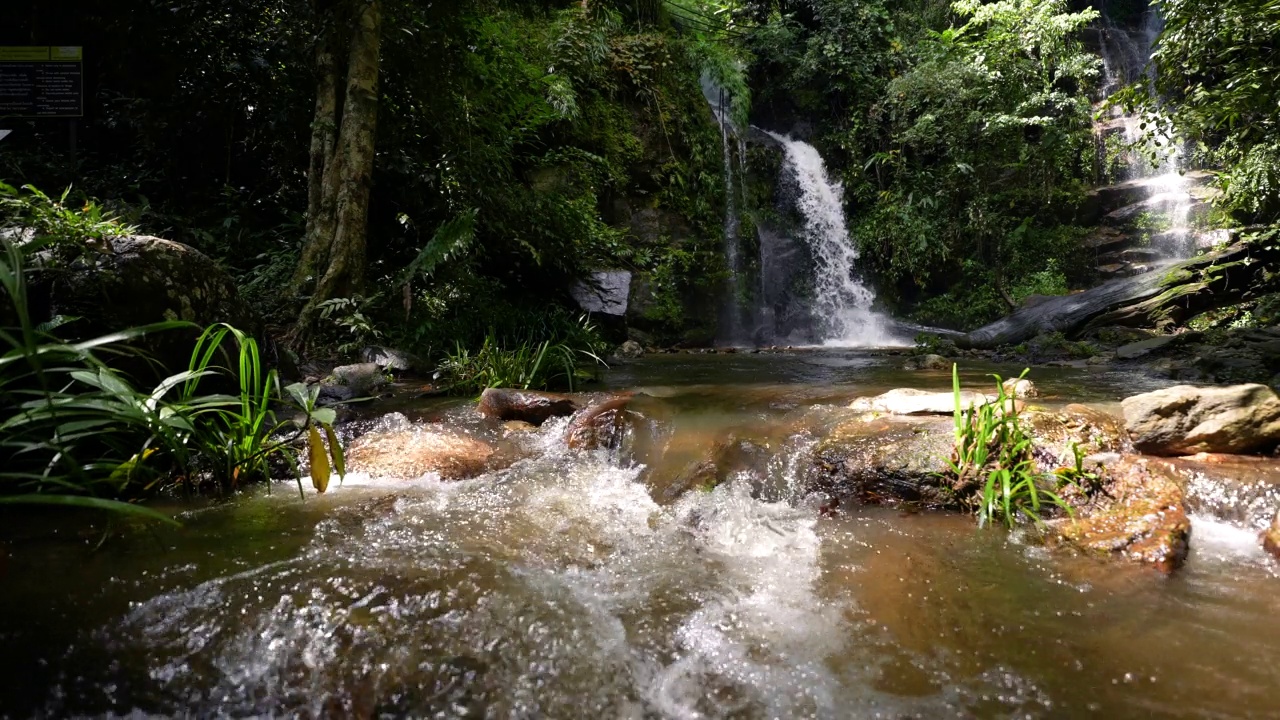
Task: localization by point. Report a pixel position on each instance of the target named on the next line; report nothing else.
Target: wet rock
(1138, 514)
(603, 425)
(887, 460)
(1143, 347)
(416, 451)
(1271, 537)
(528, 405)
(389, 359)
(1055, 433)
(1185, 420)
(1020, 388)
(629, 350)
(141, 280)
(927, 362)
(907, 401)
(359, 380)
(691, 462)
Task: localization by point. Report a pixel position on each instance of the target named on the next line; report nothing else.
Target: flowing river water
(559, 588)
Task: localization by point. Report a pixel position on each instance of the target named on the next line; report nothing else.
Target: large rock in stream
(1138, 513)
(141, 280)
(1186, 420)
(1169, 294)
(899, 458)
(410, 451)
(529, 406)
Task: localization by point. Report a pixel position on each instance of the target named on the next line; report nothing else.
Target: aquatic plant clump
(992, 469)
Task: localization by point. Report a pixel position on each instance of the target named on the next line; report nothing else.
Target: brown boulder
(413, 452)
(528, 405)
(1186, 420)
(1138, 514)
(1271, 537)
(603, 425)
(887, 459)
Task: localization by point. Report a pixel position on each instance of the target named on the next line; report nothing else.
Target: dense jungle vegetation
(435, 175)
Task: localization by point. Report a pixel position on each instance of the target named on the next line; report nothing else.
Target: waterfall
(841, 303)
(731, 328)
(1126, 59)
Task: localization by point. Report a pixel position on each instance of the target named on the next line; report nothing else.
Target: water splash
(842, 305)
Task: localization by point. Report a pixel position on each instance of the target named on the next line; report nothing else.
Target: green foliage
(986, 137)
(526, 365)
(930, 344)
(993, 455)
(74, 432)
(1216, 72)
(349, 318)
(67, 227)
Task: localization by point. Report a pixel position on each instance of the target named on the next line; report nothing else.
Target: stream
(559, 588)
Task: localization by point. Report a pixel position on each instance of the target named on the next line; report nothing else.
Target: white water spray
(842, 304)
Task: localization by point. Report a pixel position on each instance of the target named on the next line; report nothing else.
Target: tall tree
(342, 150)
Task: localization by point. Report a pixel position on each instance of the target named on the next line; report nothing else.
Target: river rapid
(559, 588)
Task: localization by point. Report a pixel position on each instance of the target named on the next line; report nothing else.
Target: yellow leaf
(319, 461)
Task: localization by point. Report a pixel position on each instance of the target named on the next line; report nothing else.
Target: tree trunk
(320, 194)
(341, 168)
(345, 271)
(1171, 294)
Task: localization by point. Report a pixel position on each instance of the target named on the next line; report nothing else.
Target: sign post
(43, 82)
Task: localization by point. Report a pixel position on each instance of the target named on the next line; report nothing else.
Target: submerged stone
(1186, 420)
(927, 362)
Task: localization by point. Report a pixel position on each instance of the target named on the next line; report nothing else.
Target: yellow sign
(19, 53)
(42, 82)
(66, 53)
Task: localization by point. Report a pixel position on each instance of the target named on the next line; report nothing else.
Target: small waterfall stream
(842, 305)
(730, 313)
(1126, 56)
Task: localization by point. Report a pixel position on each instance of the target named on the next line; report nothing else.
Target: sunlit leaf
(319, 460)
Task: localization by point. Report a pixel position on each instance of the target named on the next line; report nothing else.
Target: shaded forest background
(521, 144)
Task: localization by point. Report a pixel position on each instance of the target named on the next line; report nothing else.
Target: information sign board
(41, 81)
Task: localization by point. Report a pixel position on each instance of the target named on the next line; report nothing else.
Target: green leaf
(93, 503)
(319, 460)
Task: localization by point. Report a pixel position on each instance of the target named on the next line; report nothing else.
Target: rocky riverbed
(727, 535)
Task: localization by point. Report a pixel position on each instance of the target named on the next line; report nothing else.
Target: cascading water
(1126, 56)
(841, 303)
(730, 314)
